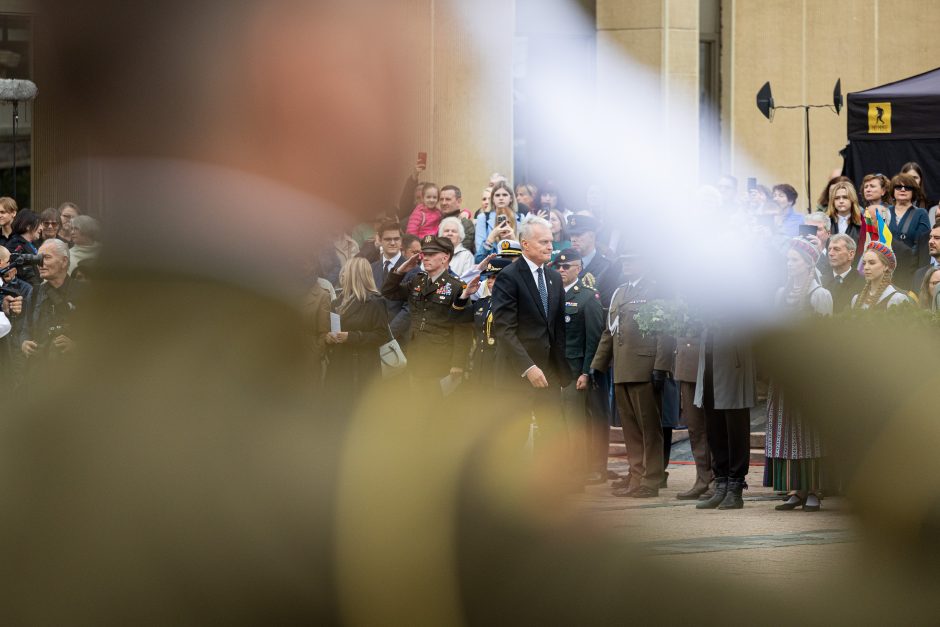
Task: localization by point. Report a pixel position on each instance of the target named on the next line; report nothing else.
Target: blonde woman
(845, 216)
(499, 223)
(878, 266)
(354, 351)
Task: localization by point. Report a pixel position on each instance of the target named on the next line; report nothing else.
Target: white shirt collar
(532, 266)
(843, 275)
(393, 260)
(568, 287)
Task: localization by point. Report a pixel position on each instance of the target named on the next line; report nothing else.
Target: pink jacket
(424, 221)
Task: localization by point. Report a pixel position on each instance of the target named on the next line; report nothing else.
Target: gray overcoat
(735, 374)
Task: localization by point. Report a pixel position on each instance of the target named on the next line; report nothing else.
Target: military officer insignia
(589, 280)
(428, 239)
(444, 290)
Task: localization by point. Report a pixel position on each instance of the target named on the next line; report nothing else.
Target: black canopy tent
(893, 124)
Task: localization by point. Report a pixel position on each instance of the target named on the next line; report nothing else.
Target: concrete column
(662, 36)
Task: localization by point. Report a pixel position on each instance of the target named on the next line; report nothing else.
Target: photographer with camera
(14, 296)
(46, 333)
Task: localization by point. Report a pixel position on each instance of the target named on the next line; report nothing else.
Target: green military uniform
(437, 341)
(584, 324)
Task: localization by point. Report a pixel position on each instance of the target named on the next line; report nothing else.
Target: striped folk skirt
(793, 448)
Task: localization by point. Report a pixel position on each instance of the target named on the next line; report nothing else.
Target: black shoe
(644, 492)
(791, 503)
(692, 494)
(721, 490)
(622, 482)
(665, 483)
(811, 508)
(733, 499)
(611, 475)
(626, 491)
(707, 494)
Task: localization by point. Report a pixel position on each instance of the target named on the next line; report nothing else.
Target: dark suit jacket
(524, 336)
(842, 293)
(398, 315)
(606, 277)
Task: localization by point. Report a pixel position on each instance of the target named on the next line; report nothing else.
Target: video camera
(19, 260)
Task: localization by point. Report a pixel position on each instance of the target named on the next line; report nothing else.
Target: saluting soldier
(584, 324)
(638, 360)
(481, 313)
(438, 344)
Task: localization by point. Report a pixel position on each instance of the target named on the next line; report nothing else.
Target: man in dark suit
(842, 280)
(529, 322)
(933, 249)
(391, 257)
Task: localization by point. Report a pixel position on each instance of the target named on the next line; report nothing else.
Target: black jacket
(842, 293)
(524, 336)
(356, 362)
(602, 275)
(18, 245)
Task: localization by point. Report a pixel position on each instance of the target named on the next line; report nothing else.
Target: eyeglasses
(391, 239)
(903, 188)
(50, 224)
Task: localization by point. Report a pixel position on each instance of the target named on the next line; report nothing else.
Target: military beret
(433, 244)
(495, 265)
(509, 248)
(580, 224)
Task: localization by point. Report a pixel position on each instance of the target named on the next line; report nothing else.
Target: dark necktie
(385, 273)
(543, 292)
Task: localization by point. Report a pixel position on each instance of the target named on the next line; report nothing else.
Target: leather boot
(721, 490)
(733, 499)
(692, 494)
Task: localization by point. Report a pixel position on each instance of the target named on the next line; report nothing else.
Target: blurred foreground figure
(181, 473)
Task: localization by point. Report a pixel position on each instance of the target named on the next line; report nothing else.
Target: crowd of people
(43, 260)
(538, 299)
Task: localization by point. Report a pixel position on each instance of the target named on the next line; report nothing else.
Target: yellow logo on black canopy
(879, 117)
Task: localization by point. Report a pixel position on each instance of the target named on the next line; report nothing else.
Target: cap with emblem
(432, 244)
(579, 224)
(495, 265)
(509, 248)
(568, 255)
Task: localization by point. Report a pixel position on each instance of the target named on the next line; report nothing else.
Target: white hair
(529, 223)
(845, 239)
(452, 221)
(58, 246)
(819, 218)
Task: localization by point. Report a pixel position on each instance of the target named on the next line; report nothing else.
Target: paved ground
(779, 549)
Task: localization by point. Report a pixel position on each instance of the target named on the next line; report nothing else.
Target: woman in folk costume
(878, 266)
(792, 447)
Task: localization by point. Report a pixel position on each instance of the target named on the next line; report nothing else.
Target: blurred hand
(13, 305)
(409, 265)
(582, 383)
(63, 343)
(536, 377)
(29, 347)
(659, 380)
(420, 166)
(339, 337)
(486, 260)
(472, 288)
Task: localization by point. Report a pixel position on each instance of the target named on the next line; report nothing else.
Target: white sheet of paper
(449, 384)
(334, 323)
(470, 274)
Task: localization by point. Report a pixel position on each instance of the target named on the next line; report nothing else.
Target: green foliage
(669, 317)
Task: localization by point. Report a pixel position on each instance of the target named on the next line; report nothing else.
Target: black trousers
(728, 432)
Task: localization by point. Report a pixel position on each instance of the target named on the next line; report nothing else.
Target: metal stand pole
(16, 118)
(809, 198)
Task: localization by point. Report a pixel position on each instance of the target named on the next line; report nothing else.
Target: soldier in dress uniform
(637, 361)
(481, 313)
(584, 324)
(438, 343)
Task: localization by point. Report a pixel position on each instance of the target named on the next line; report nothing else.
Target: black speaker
(837, 96)
(765, 100)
